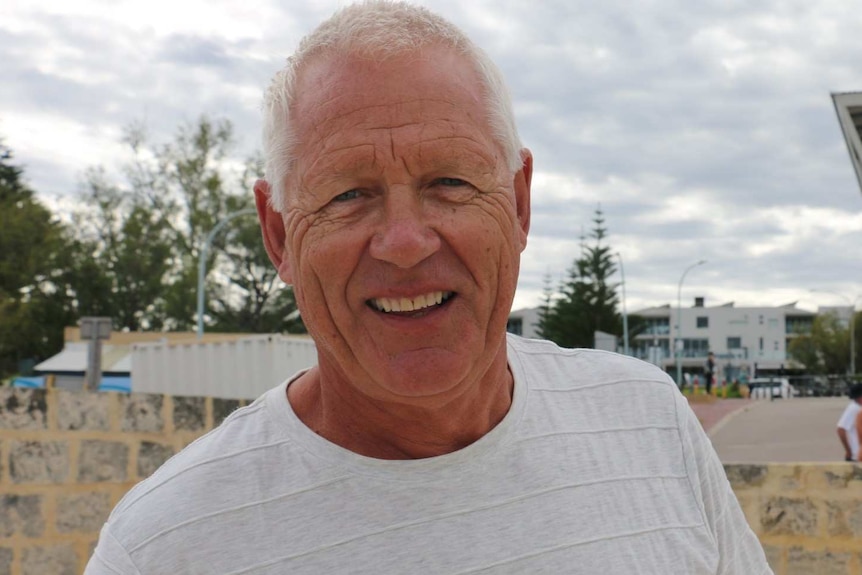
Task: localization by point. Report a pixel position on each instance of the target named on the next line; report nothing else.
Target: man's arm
(110, 557)
(842, 435)
(739, 550)
(859, 433)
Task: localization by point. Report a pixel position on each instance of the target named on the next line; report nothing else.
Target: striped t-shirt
(599, 467)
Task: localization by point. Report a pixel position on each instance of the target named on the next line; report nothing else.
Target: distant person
(850, 425)
(425, 440)
(709, 371)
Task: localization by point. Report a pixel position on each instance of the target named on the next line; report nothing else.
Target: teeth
(403, 304)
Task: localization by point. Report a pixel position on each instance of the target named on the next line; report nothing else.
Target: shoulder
(574, 368)
(219, 460)
(592, 386)
(850, 412)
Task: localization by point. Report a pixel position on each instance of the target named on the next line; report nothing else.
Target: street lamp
(202, 262)
(625, 314)
(852, 305)
(678, 342)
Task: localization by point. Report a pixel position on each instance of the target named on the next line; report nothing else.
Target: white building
(744, 340)
(524, 322)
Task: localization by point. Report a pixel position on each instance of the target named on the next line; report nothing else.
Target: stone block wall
(66, 458)
(808, 516)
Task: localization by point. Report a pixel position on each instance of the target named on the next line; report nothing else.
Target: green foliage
(132, 251)
(857, 340)
(586, 301)
(124, 249)
(28, 234)
(254, 300)
(33, 303)
(147, 231)
(733, 390)
(826, 350)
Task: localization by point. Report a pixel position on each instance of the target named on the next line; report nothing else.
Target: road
(795, 430)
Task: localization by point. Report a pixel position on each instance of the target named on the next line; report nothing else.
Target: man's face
(403, 224)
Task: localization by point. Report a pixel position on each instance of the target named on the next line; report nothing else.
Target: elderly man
(397, 203)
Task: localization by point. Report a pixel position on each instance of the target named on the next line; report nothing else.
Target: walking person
(709, 371)
(850, 425)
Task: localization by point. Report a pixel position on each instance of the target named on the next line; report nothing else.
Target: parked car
(771, 387)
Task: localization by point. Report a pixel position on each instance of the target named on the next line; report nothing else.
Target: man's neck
(398, 430)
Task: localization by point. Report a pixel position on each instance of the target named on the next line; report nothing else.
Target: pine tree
(586, 301)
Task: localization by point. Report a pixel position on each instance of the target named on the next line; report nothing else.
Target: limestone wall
(66, 458)
(808, 516)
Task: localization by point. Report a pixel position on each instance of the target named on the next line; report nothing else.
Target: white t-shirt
(848, 423)
(599, 467)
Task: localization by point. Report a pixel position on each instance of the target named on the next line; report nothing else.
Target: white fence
(238, 369)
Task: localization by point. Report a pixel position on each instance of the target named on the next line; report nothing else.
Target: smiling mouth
(424, 302)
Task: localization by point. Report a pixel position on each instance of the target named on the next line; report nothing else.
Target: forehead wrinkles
(331, 121)
(393, 106)
(439, 143)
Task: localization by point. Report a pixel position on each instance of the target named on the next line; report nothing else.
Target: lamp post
(852, 305)
(678, 342)
(202, 262)
(625, 314)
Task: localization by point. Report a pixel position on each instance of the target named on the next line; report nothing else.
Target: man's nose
(405, 236)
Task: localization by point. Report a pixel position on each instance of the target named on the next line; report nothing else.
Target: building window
(776, 346)
(703, 321)
(695, 347)
(761, 344)
(515, 325)
(734, 343)
(657, 326)
(798, 325)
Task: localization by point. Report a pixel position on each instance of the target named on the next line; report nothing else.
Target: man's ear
(523, 181)
(272, 228)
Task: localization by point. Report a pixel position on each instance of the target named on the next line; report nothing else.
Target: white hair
(379, 29)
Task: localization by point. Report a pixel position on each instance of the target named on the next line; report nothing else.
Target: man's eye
(348, 195)
(454, 182)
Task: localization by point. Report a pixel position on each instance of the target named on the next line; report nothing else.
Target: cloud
(704, 131)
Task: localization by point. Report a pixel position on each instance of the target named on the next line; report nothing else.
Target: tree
(28, 234)
(826, 350)
(857, 339)
(586, 301)
(255, 300)
(148, 230)
(33, 302)
(125, 250)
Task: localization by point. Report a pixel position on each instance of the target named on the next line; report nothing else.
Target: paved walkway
(762, 431)
(712, 414)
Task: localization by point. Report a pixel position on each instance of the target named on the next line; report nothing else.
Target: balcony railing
(657, 330)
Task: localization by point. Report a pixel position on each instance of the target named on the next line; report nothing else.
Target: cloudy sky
(705, 130)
